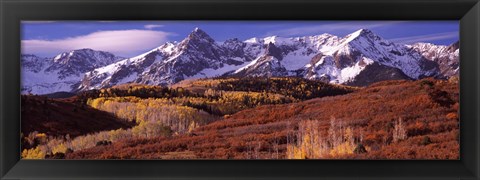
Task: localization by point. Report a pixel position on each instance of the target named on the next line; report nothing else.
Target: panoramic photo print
(369, 90)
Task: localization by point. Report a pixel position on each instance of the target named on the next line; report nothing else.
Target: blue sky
(130, 38)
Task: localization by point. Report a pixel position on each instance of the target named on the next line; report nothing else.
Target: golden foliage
(154, 112)
(313, 144)
(367, 125)
(34, 153)
(61, 148)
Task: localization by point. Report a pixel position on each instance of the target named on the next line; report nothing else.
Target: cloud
(152, 26)
(345, 27)
(426, 38)
(120, 42)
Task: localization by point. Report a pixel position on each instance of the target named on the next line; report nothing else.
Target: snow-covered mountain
(196, 56)
(340, 60)
(359, 58)
(447, 57)
(61, 73)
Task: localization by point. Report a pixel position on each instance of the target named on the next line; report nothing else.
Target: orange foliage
(428, 129)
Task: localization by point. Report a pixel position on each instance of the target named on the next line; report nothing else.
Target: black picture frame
(13, 11)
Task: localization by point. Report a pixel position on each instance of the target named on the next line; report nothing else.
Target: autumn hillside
(42, 116)
(386, 120)
(298, 88)
(59, 117)
(153, 111)
(224, 96)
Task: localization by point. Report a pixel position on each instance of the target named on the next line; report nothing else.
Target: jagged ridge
(352, 59)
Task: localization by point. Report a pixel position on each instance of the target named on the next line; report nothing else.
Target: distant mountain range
(63, 73)
(358, 59)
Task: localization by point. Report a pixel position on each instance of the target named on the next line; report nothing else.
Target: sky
(131, 38)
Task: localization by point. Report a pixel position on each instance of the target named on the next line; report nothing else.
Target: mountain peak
(365, 33)
(324, 35)
(252, 40)
(198, 33)
(86, 57)
(83, 49)
(362, 32)
(81, 52)
(454, 46)
(89, 50)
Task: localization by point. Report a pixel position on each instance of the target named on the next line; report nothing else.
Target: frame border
(13, 11)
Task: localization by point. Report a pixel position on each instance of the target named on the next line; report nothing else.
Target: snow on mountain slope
(326, 57)
(339, 60)
(123, 71)
(447, 57)
(362, 48)
(290, 54)
(77, 62)
(198, 55)
(359, 58)
(61, 73)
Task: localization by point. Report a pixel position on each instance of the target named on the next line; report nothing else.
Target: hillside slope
(386, 120)
(59, 117)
